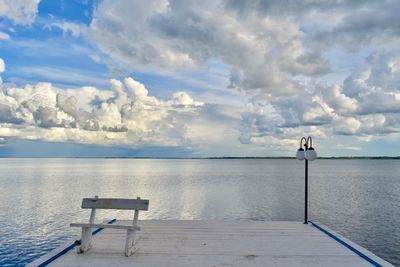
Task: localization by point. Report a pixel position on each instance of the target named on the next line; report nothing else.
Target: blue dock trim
(64, 251)
(356, 251)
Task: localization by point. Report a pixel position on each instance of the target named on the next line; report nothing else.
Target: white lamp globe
(310, 154)
(300, 154)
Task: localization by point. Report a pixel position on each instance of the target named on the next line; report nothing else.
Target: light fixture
(309, 154)
(300, 155)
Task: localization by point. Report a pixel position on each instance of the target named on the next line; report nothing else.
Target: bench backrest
(115, 203)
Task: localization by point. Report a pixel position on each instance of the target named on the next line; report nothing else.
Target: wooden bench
(110, 203)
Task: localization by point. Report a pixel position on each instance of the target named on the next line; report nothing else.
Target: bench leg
(86, 242)
(130, 243)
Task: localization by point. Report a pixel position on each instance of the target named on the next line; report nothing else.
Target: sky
(191, 78)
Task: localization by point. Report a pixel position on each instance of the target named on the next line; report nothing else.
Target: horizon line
(222, 157)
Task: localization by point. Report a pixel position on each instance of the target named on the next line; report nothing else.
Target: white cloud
(68, 27)
(183, 99)
(338, 101)
(20, 11)
(2, 65)
(341, 146)
(375, 85)
(276, 55)
(124, 114)
(2, 69)
(372, 23)
(264, 52)
(4, 36)
(346, 126)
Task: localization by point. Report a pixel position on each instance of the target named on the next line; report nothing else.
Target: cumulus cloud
(368, 23)
(2, 65)
(338, 100)
(20, 11)
(68, 27)
(124, 114)
(275, 52)
(183, 99)
(282, 56)
(264, 52)
(346, 126)
(2, 69)
(4, 36)
(366, 105)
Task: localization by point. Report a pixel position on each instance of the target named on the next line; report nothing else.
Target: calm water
(40, 197)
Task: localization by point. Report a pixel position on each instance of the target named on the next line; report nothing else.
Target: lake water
(40, 197)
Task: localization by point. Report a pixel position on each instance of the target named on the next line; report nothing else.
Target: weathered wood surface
(115, 203)
(104, 225)
(111, 203)
(219, 243)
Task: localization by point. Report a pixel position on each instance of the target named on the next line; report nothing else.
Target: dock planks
(218, 243)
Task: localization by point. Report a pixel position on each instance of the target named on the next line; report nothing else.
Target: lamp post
(307, 154)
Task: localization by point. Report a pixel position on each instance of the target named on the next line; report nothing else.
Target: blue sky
(170, 79)
(40, 46)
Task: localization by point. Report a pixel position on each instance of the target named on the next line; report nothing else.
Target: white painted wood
(115, 203)
(129, 243)
(86, 241)
(214, 243)
(111, 203)
(93, 213)
(130, 235)
(135, 217)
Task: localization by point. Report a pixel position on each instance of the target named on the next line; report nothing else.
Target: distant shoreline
(377, 157)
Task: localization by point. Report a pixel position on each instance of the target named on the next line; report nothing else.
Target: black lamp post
(307, 154)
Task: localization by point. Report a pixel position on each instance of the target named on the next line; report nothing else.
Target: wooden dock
(219, 243)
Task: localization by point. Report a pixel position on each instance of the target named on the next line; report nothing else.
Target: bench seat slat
(115, 203)
(103, 225)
